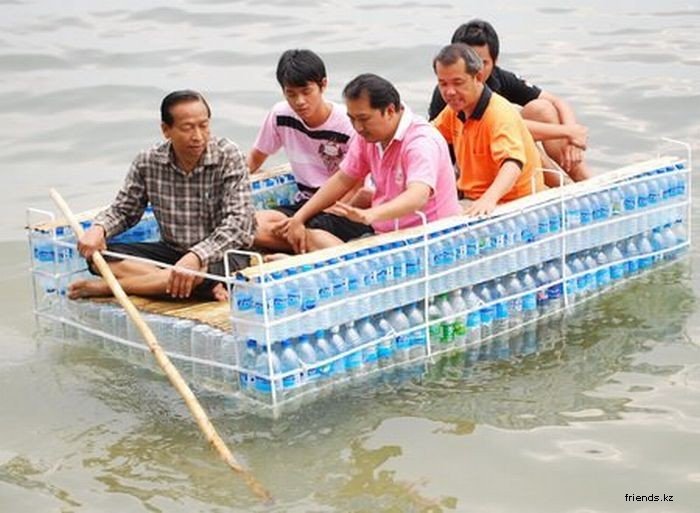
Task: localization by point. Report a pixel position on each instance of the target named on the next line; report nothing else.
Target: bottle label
(244, 302)
(338, 288)
(293, 300)
(473, 320)
(369, 355)
(486, 315)
(617, 271)
(555, 291)
(385, 350)
(417, 338)
(472, 247)
(411, 268)
(290, 382)
(642, 201)
(542, 297)
(529, 302)
(447, 332)
(324, 292)
(403, 342)
(398, 271)
(353, 360)
(501, 311)
(585, 216)
(353, 283)
(263, 385)
(459, 328)
(554, 224)
(279, 305)
(309, 303)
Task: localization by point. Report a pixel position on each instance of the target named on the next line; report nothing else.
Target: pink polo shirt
(417, 153)
(313, 153)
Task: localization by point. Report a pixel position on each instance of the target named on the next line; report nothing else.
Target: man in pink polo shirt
(408, 161)
(314, 134)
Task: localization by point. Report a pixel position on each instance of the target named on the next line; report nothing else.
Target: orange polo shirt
(491, 135)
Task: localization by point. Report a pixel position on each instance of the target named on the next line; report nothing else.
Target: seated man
(549, 118)
(314, 134)
(406, 157)
(198, 186)
(495, 152)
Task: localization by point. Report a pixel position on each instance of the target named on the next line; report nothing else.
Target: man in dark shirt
(549, 118)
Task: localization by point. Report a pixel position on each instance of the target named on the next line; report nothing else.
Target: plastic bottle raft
(386, 305)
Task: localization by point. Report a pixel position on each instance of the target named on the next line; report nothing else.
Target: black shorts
(162, 252)
(339, 226)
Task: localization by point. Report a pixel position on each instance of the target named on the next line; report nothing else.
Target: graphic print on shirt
(332, 144)
(331, 153)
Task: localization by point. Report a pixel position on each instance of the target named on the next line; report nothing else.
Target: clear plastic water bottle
(324, 353)
(617, 202)
(249, 359)
(279, 297)
(290, 363)
(614, 256)
(264, 381)
(307, 355)
(487, 311)
(642, 195)
(338, 367)
(385, 347)
(529, 284)
(353, 362)
(590, 263)
(631, 254)
(569, 283)
(556, 289)
(573, 213)
(309, 292)
(459, 309)
(473, 316)
(513, 287)
(501, 319)
(434, 330)
(418, 339)
(368, 333)
(645, 249)
(578, 269)
(402, 343)
(325, 293)
(669, 241)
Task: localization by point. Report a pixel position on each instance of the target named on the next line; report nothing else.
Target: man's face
(483, 52)
(372, 124)
(189, 132)
(307, 100)
(460, 90)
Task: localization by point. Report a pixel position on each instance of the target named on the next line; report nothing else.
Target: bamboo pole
(164, 362)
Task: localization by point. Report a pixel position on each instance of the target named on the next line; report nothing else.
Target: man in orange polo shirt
(496, 155)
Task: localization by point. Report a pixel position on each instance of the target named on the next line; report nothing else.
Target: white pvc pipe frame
(425, 279)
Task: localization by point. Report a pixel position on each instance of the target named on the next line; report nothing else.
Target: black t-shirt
(507, 84)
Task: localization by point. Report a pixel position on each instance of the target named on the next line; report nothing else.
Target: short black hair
(380, 92)
(182, 96)
(296, 68)
(478, 33)
(450, 54)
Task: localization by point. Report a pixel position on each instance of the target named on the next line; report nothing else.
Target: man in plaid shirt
(199, 189)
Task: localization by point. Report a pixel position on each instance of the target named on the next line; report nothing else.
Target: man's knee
(540, 110)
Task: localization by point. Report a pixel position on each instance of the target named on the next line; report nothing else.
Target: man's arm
(255, 159)
(237, 226)
(413, 198)
(331, 191)
(505, 179)
(124, 212)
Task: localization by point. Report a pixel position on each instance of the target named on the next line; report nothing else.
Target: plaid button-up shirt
(206, 211)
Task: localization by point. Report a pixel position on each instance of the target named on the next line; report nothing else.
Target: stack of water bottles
(56, 261)
(274, 191)
(146, 230)
(494, 280)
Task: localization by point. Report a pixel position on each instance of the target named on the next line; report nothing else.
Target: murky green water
(607, 405)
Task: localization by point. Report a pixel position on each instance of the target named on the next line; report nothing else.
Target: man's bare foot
(88, 288)
(273, 257)
(220, 292)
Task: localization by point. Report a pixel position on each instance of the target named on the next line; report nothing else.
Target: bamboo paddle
(180, 385)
